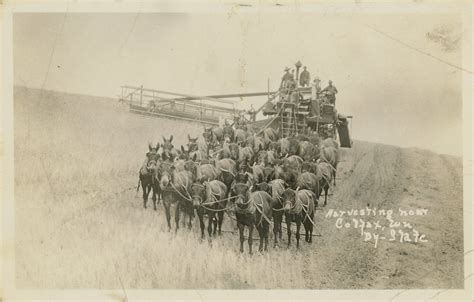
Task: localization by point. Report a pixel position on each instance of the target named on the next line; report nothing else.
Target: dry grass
(79, 223)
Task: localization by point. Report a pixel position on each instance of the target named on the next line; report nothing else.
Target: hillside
(80, 224)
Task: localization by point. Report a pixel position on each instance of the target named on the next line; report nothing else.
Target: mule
(309, 181)
(325, 170)
(210, 198)
(175, 187)
(284, 146)
(293, 146)
(228, 133)
(252, 210)
(169, 148)
(299, 208)
(308, 151)
(240, 136)
(147, 177)
(330, 155)
(213, 136)
(226, 169)
(270, 134)
(192, 144)
(330, 142)
(256, 142)
(204, 172)
(239, 153)
(277, 187)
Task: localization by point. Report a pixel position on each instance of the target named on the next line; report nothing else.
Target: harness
(300, 206)
(213, 196)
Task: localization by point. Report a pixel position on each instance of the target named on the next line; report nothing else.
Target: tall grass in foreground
(79, 223)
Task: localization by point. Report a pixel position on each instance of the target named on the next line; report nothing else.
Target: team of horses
(257, 177)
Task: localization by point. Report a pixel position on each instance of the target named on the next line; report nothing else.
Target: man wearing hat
(317, 83)
(331, 92)
(304, 77)
(286, 77)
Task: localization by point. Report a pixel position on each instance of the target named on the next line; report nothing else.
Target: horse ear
(182, 149)
(164, 139)
(171, 138)
(189, 137)
(157, 146)
(149, 146)
(195, 157)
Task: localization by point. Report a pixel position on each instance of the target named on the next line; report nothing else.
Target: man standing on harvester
(304, 77)
(330, 91)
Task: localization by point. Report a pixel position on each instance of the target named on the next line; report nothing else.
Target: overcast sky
(397, 95)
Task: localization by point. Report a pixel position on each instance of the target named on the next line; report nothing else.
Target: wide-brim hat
(286, 69)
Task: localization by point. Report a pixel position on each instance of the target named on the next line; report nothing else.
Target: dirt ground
(80, 224)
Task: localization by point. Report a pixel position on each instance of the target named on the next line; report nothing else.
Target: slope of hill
(80, 224)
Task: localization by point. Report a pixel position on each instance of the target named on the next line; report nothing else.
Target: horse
(330, 155)
(270, 134)
(258, 173)
(257, 143)
(181, 183)
(226, 169)
(175, 186)
(246, 154)
(288, 174)
(210, 197)
(165, 173)
(192, 143)
(228, 133)
(276, 188)
(204, 172)
(284, 146)
(309, 181)
(308, 151)
(315, 139)
(239, 153)
(240, 136)
(299, 207)
(274, 147)
(325, 181)
(293, 146)
(252, 210)
(213, 136)
(330, 142)
(225, 152)
(169, 148)
(261, 157)
(294, 162)
(147, 176)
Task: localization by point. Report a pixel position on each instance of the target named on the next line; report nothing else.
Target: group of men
(288, 84)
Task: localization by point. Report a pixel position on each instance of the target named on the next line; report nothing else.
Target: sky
(396, 94)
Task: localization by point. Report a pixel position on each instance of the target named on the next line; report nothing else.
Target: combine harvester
(287, 110)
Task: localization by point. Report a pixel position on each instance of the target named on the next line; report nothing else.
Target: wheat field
(79, 222)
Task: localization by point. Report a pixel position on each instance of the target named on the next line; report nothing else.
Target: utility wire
(417, 49)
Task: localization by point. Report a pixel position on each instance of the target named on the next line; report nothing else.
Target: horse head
(153, 149)
(241, 192)
(198, 193)
(184, 153)
(234, 151)
(192, 143)
(167, 143)
(165, 173)
(289, 199)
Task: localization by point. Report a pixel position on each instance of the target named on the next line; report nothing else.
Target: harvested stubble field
(80, 224)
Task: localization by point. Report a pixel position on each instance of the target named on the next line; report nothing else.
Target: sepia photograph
(240, 147)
